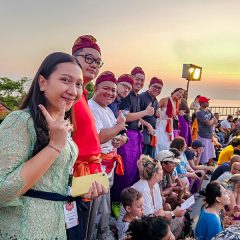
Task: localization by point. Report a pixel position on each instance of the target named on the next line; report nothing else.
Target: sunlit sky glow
(160, 36)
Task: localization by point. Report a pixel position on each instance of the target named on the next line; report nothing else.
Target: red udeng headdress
(106, 76)
(137, 70)
(85, 41)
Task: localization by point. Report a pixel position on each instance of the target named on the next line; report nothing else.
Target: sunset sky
(160, 36)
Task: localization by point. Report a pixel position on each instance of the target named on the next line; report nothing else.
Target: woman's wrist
(54, 148)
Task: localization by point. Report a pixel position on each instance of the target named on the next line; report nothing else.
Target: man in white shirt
(108, 129)
(235, 168)
(226, 124)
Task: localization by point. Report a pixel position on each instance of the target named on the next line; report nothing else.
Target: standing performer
(167, 124)
(88, 53)
(108, 128)
(131, 151)
(146, 98)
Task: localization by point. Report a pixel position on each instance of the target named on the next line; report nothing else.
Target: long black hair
(35, 97)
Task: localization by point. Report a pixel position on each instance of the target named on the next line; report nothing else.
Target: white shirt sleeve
(96, 114)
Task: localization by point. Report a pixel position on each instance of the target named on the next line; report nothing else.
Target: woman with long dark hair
(210, 220)
(37, 154)
(167, 124)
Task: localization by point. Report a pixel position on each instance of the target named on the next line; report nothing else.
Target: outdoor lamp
(191, 72)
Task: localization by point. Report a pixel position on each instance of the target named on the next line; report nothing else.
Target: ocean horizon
(220, 102)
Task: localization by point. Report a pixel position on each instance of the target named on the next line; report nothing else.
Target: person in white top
(151, 173)
(108, 129)
(167, 124)
(226, 124)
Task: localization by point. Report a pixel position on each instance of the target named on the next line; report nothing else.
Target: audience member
(226, 154)
(184, 171)
(234, 181)
(226, 124)
(150, 227)
(235, 168)
(132, 202)
(219, 131)
(193, 155)
(170, 191)
(210, 221)
(232, 232)
(151, 174)
(224, 167)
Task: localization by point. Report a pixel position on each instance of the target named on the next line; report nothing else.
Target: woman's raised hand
(58, 128)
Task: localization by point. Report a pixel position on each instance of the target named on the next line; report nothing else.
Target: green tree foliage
(12, 92)
(90, 88)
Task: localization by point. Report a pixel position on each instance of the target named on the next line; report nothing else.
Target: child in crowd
(132, 202)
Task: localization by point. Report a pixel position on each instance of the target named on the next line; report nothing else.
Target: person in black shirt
(149, 122)
(131, 151)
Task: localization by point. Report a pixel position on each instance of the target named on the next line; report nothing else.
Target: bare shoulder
(163, 102)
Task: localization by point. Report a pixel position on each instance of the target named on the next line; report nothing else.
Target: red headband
(126, 78)
(137, 70)
(106, 76)
(85, 41)
(156, 80)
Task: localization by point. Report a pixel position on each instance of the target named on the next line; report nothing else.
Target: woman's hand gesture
(58, 128)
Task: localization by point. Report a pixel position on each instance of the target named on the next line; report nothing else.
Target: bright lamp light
(191, 72)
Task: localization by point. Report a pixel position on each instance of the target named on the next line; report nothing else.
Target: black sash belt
(48, 196)
(55, 197)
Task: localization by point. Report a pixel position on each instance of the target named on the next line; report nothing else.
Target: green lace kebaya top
(26, 218)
